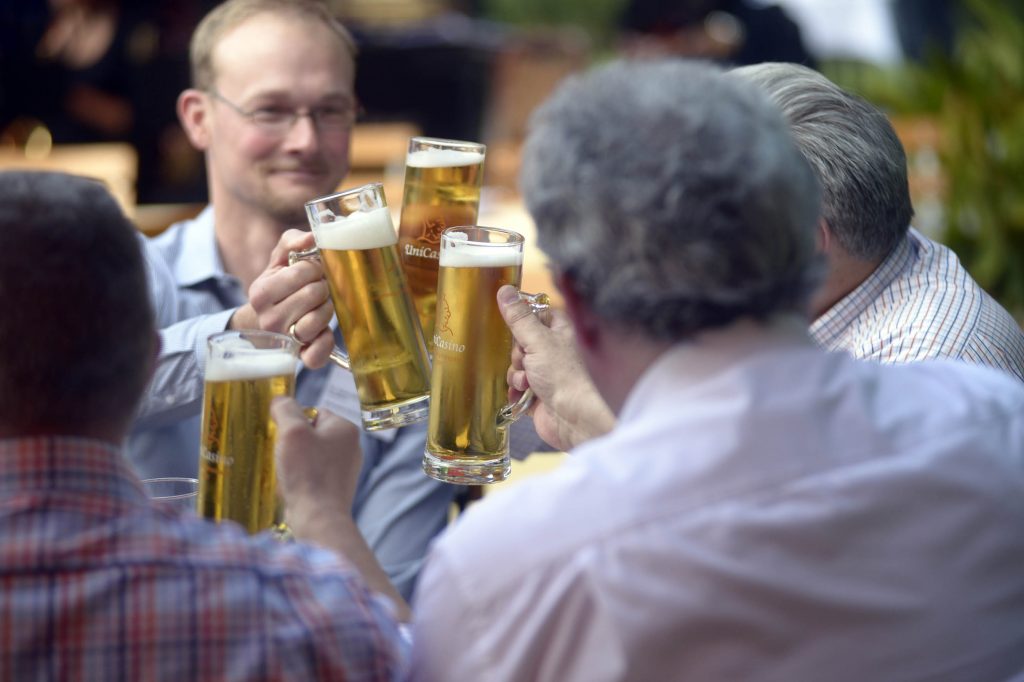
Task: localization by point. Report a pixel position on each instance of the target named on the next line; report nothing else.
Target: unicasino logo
(422, 252)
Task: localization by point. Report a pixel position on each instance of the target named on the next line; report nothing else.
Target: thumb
(526, 327)
(291, 240)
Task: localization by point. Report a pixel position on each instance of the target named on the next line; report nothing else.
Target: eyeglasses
(276, 120)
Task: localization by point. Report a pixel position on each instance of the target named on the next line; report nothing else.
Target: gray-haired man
(762, 509)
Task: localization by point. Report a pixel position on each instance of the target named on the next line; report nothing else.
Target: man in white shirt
(762, 509)
(891, 294)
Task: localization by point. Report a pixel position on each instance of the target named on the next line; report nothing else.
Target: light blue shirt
(398, 508)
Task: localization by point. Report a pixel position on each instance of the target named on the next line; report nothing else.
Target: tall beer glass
(387, 355)
(245, 370)
(467, 440)
(442, 189)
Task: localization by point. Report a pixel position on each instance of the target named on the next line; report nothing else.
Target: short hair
(77, 331)
(673, 197)
(853, 148)
(232, 13)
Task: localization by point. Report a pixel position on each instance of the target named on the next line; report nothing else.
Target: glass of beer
(442, 189)
(467, 439)
(245, 371)
(387, 355)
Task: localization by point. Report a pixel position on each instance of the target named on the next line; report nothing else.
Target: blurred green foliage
(598, 18)
(976, 96)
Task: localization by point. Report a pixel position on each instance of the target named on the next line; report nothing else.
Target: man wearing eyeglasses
(272, 107)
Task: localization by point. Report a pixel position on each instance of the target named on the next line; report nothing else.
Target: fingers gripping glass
(278, 120)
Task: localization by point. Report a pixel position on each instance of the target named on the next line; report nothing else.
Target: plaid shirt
(98, 583)
(920, 303)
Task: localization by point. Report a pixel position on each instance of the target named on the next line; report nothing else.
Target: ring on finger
(291, 333)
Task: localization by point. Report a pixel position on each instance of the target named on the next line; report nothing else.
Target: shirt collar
(831, 325)
(66, 464)
(198, 259)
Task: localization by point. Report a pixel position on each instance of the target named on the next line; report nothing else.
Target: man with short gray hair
(891, 294)
(761, 508)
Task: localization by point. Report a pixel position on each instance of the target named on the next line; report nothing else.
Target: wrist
(310, 520)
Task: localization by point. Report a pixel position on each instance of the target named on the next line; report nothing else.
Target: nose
(303, 135)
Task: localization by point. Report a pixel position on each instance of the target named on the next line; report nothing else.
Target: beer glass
(467, 439)
(356, 242)
(442, 189)
(245, 371)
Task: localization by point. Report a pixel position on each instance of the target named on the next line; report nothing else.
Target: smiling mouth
(300, 171)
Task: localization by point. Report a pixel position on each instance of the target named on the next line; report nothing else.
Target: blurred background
(90, 85)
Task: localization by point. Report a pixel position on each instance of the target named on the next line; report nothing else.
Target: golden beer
(386, 348)
(236, 459)
(472, 346)
(442, 190)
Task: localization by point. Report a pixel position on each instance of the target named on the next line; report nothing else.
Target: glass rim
(377, 186)
(444, 143)
(515, 238)
(194, 482)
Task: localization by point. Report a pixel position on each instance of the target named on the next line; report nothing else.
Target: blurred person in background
(727, 31)
(272, 108)
(95, 71)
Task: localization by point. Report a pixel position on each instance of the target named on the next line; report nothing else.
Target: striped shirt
(920, 303)
(98, 583)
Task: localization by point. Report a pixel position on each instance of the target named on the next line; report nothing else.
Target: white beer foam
(251, 364)
(442, 158)
(369, 230)
(479, 256)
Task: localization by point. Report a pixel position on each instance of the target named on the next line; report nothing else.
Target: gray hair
(854, 150)
(673, 197)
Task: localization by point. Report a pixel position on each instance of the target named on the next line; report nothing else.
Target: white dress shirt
(763, 510)
(919, 304)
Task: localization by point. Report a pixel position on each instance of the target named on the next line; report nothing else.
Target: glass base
(466, 470)
(400, 414)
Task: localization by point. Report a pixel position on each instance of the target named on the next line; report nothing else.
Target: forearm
(335, 530)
